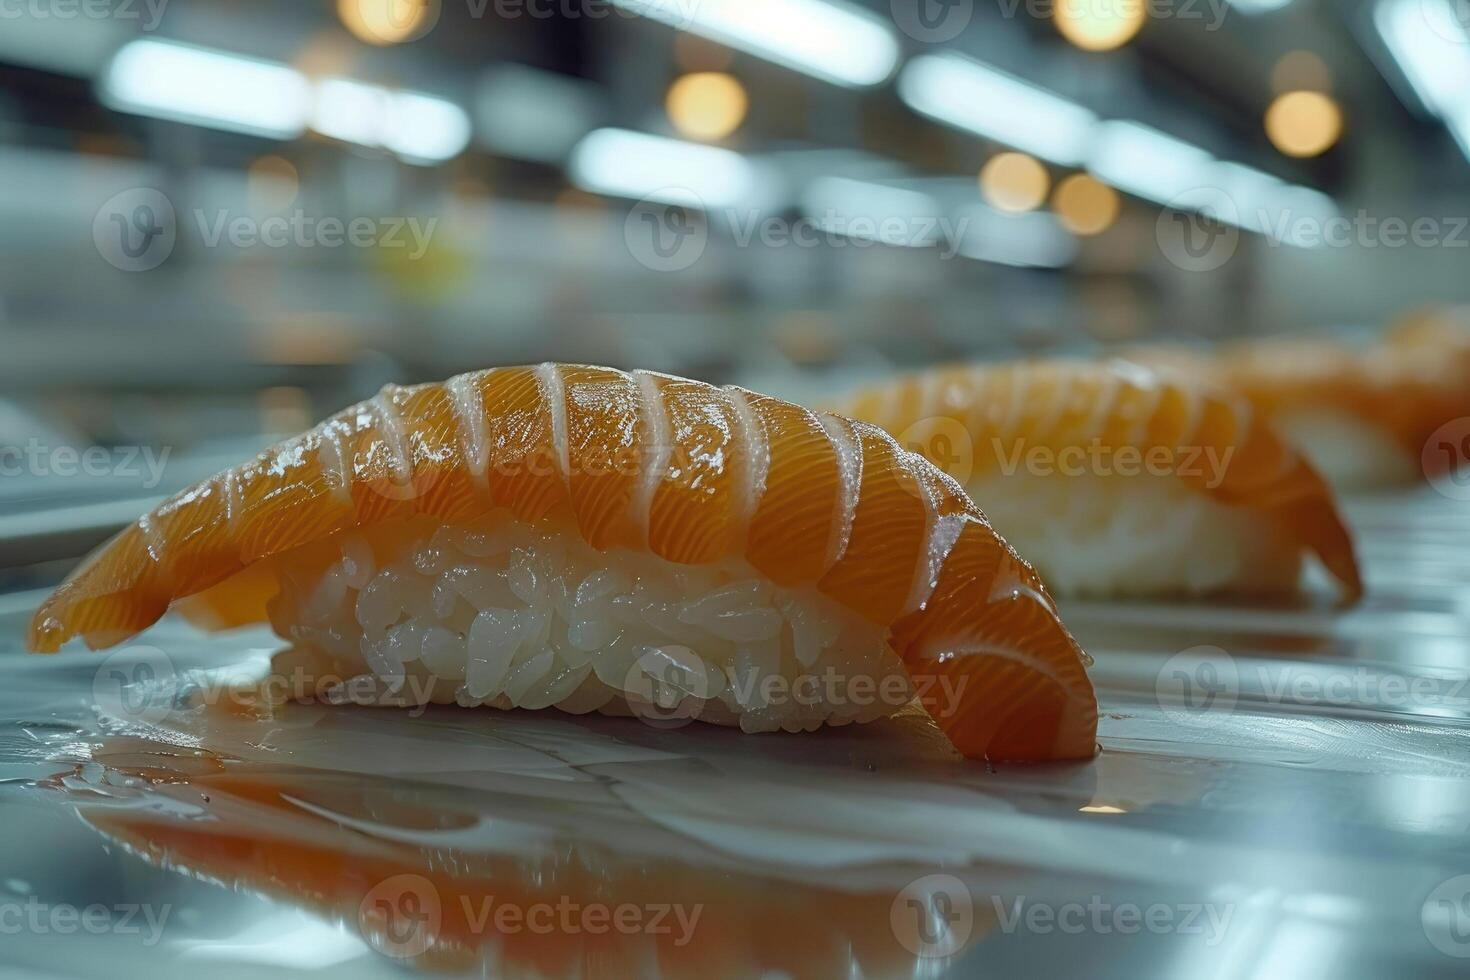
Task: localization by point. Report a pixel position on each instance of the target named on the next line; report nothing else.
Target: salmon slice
(677, 469)
(994, 427)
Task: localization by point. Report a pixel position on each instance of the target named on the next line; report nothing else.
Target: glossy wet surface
(1282, 791)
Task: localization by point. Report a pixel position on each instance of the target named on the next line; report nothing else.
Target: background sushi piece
(1369, 415)
(1120, 480)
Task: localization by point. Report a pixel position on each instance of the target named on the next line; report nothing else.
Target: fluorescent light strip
(419, 128)
(1269, 206)
(1147, 163)
(829, 40)
(1258, 6)
(974, 97)
(1432, 47)
(208, 88)
(623, 163)
(1160, 168)
(425, 128)
(220, 90)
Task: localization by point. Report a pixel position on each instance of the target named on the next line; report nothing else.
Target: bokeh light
(1303, 124)
(385, 22)
(707, 105)
(1085, 205)
(1014, 182)
(1099, 25)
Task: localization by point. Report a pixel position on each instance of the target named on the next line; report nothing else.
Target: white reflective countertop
(1281, 792)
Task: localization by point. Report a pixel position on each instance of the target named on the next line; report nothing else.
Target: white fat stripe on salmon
(338, 472)
(469, 415)
(391, 427)
(658, 434)
(230, 498)
(752, 445)
(152, 539)
(553, 389)
(850, 470)
(940, 532)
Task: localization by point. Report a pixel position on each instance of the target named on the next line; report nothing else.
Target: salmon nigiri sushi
(567, 536)
(1119, 480)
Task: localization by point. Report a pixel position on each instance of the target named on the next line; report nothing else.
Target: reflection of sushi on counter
(1362, 414)
(1116, 479)
(436, 886)
(569, 536)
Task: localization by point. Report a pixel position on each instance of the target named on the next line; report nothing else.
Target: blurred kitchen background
(220, 220)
